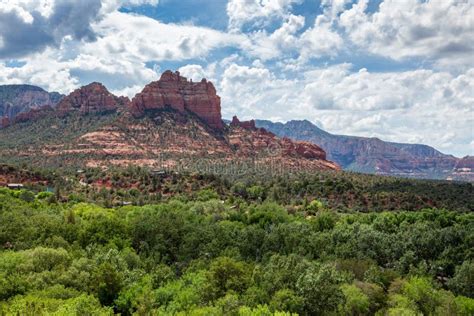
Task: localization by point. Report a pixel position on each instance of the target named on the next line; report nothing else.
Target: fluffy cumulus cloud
(112, 5)
(197, 72)
(257, 13)
(28, 26)
(441, 31)
(320, 40)
(142, 38)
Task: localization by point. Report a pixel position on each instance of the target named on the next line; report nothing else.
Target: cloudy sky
(400, 70)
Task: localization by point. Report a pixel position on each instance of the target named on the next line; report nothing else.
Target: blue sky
(400, 70)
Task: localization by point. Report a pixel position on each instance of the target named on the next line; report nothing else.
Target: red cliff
(93, 98)
(175, 91)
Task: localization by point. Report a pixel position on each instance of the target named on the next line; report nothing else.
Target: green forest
(202, 245)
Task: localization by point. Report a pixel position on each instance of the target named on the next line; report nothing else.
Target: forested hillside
(211, 251)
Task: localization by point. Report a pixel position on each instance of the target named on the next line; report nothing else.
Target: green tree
(463, 281)
(355, 301)
(287, 300)
(107, 283)
(319, 288)
(226, 274)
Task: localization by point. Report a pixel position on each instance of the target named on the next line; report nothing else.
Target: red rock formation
(4, 121)
(466, 163)
(302, 149)
(175, 91)
(33, 114)
(93, 98)
(309, 150)
(243, 124)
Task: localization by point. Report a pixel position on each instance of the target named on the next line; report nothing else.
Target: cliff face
(90, 99)
(16, 99)
(175, 91)
(372, 155)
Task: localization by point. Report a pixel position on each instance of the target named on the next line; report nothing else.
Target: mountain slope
(172, 123)
(15, 99)
(372, 155)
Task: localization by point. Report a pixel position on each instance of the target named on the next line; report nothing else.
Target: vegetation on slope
(339, 191)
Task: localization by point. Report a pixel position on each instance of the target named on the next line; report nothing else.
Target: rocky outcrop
(34, 114)
(91, 99)
(176, 92)
(309, 150)
(243, 124)
(16, 99)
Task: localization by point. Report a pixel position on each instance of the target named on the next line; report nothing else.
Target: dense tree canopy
(222, 253)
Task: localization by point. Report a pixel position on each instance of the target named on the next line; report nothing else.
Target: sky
(399, 70)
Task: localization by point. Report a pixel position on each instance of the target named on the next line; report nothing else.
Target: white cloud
(253, 92)
(333, 7)
(109, 6)
(441, 31)
(130, 91)
(145, 39)
(17, 8)
(319, 41)
(51, 75)
(259, 13)
(31, 26)
(194, 72)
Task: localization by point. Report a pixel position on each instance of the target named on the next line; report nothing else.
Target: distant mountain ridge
(21, 98)
(372, 155)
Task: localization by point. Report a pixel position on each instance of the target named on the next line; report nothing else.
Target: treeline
(203, 254)
(341, 191)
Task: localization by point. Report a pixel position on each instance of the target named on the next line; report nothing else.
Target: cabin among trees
(14, 186)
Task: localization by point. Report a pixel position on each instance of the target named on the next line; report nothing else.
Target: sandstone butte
(176, 92)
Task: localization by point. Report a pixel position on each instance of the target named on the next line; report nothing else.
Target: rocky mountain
(173, 123)
(16, 99)
(372, 155)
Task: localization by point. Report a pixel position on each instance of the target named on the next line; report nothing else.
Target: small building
(159, 172)
(15, 186)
